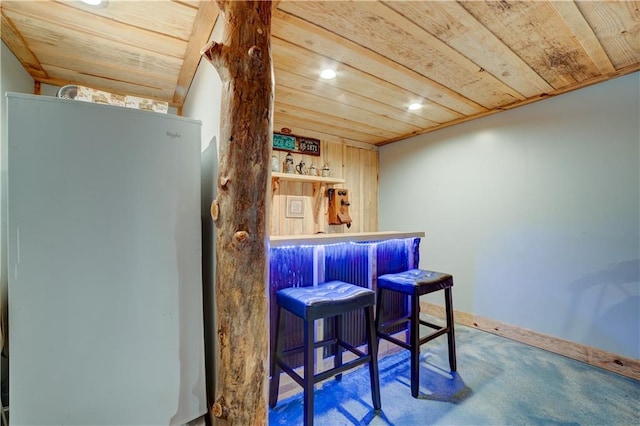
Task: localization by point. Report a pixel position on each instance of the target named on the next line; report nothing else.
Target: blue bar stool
(415, 283)
(331, 299)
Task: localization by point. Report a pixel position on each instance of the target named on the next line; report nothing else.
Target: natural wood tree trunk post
(243, 61)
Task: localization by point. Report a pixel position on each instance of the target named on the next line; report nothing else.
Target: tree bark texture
(240, 212)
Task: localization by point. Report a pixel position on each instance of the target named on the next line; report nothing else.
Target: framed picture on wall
(295, 207)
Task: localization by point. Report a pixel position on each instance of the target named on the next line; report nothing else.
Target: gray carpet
(498, 382)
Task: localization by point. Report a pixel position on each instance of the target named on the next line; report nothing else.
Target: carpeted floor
(498, 382)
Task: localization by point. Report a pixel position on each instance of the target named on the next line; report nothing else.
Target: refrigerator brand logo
(173, 135)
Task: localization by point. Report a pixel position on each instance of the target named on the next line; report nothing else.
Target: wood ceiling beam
(206, 18)
(18, 46)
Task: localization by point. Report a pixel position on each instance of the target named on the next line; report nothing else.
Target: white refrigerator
(104, 260)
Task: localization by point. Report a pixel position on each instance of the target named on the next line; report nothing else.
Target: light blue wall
(203, 101)
(204, 96)
(535, 211)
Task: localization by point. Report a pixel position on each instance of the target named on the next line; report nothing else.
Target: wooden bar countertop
(319, 239)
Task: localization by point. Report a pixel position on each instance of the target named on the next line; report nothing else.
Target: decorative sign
(296, 144)
(309, 146)
(284, 142)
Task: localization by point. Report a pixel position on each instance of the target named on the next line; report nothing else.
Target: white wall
(535, 211)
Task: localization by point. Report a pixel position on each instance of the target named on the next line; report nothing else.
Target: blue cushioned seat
(413, 284)
(328, 300)
(416, 281)
(325, 300)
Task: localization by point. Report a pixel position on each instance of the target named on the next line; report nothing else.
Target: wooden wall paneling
(281, 200)
(335, 158)
(288, 225)
(370, 190)
(353, 177)
(276, 209)
(317, 210)
(348, 173)
(296, 225)
(311, 223)
(332, 156)
(354, 159)
(357, 165)
(308, 222)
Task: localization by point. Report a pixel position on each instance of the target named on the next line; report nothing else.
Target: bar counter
(321, 239)
(358, 258)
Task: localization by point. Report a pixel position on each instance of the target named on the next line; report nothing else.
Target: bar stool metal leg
(450, 334)
(415, 344)
(309, 371)
(372, 341)
(337, 359)
(378, 317)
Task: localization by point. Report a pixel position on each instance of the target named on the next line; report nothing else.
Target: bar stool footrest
(432, 336)
(317, 345)
(337, 370)
(392, 339)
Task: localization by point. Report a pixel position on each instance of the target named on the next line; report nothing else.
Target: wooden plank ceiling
(459, 60)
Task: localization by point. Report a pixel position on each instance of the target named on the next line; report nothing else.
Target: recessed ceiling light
(101, 3)
(415, 106)
(328, 74)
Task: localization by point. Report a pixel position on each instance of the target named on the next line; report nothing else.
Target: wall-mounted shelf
(318, 185)
(305, 178)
